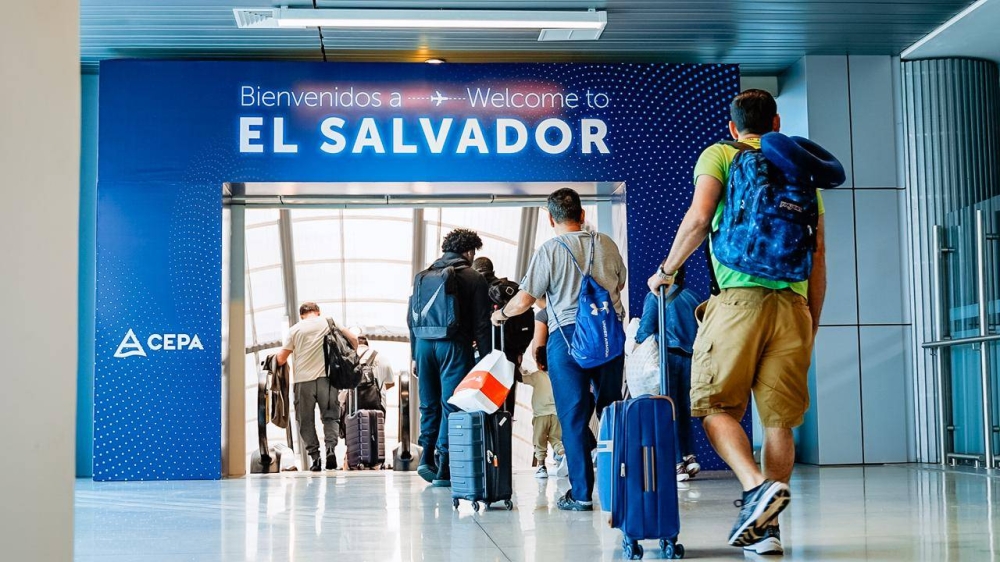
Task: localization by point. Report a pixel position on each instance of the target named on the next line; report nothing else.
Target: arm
(287, 347)
(817, 279)
(519, 304)
(539, 340)
(351, 338)
(694, 228)
(282, 356)
(648, 322)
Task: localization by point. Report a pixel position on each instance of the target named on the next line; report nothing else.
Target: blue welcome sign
(171, 133)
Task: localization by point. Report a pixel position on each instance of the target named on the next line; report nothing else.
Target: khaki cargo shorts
(753, 339)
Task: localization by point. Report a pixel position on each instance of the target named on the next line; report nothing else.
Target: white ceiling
(973, 33)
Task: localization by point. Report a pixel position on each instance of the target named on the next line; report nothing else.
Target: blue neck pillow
(802, 161)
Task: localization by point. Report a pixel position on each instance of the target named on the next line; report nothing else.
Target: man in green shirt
(755, 336)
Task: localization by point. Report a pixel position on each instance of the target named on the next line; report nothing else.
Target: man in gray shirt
(553, 275)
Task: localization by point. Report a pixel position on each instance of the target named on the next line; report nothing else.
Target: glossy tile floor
(905, 512)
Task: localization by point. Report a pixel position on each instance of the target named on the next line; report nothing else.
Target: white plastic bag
(630, 331)
(485, 388)
(642, 369)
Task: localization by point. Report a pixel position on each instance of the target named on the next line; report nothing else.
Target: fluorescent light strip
(439, 19)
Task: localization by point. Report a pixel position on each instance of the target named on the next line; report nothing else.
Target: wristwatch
(669, 277)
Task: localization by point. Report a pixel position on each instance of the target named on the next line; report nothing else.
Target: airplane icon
(437, 98)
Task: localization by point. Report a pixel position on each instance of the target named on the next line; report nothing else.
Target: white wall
(39, 175)
(860, 376)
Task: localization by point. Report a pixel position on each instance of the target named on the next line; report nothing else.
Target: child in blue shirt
(681, 330)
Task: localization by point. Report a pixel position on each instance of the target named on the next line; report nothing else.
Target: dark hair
(461, 240)
(679, 277)
(564, 206)
(308, 307)
(753, 112)
(483, 265)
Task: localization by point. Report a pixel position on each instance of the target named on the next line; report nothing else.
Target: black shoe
(317, 465)
(758, 508)
(428, 467)
(567, 503)
(443, 477)
(331, 462)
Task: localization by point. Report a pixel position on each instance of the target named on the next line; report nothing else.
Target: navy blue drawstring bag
(599, 336)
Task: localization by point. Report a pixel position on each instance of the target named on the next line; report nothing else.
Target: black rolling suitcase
(365, 437)
(479, 448)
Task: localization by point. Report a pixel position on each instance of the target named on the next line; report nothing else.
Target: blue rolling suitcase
(636, 474)
(479, 451)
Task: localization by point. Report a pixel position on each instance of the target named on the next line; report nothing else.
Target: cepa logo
(131, 346)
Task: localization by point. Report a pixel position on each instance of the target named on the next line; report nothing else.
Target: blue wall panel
(170, 137)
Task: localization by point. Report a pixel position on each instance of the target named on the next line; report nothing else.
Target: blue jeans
(679, 373)
(577, 392)
(441, 366)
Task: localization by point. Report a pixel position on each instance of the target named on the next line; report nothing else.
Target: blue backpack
(768, 226)
(599, 336)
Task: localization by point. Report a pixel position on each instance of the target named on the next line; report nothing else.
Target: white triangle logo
(130, 346)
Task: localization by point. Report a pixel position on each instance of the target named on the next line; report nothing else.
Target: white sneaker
(562, 466)
(691, 466)
(542, 472)
(769, 544)
(682, 475)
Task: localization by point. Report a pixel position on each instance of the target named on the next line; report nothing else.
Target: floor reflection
(904, 512)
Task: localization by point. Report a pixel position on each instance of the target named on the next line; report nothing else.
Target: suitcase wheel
(475, 507)
(509, 505)
(454, 503)
(631, 549)
(672, 549)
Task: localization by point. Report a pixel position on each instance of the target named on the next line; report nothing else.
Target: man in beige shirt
(312, 387)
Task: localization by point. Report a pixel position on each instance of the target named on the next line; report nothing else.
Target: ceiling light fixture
(435, 61)
(553, 25)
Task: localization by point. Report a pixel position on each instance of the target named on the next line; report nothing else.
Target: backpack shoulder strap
(571, 256)
(331, 324)
(593, 252)
(740, 146)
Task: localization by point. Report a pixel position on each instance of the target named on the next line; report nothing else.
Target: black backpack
(434, 307)
(342, 365)
(369, 391)
(519, 330)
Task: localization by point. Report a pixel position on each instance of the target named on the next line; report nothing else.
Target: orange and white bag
(485, 388)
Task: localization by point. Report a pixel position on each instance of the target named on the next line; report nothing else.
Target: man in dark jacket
(518, 331)
(443, 354)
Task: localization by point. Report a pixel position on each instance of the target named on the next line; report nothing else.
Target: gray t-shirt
(305, 341)
(551, 273)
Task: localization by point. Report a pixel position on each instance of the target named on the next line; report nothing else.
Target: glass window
(368, 313)
(381, 237)
(263, 247)
(266, 288)
(316, 239)
(319, 281)
(271, 324)
(253, 217)
(378, 281)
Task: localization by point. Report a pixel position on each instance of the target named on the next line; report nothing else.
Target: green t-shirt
(715, 162)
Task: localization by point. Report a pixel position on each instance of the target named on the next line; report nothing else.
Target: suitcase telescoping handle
(500, 328)
(661, 336)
